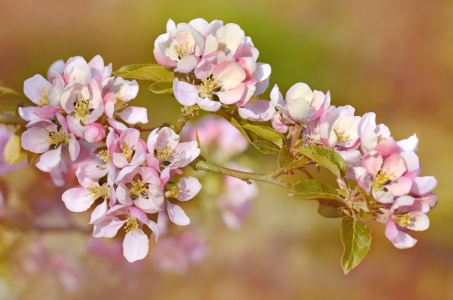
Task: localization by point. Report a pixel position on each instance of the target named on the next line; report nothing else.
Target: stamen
(405, 220)
(182, 50)
(81, 108)
(341, 135)
(128, 153)
(43, 98)
(164, 151)
(253, 99)
(131, 224)
(174, 191)
(384, 177)
(221, 47)
(120, 103)
(138, 188)
(56, 138)
(208, 86)
(104, 155)
(94, 191)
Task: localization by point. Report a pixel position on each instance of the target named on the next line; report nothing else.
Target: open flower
(136, 242)
(407, 213)
(371, 134)
(339, 129)
(128, 149)
(180, 47)
(384, 172)
(301, 105)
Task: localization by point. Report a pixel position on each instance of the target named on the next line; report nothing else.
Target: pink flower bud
(94, 133)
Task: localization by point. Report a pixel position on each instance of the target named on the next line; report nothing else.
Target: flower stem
(201, 164)
(187, 113)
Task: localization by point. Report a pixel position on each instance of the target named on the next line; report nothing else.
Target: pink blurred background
(391, 57)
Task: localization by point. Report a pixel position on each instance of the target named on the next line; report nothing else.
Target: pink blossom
(371, 134)
(406, 213)
(128, 150)
(340, 128)
(94, 133)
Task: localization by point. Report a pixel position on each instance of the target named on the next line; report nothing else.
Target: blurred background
(394, 58)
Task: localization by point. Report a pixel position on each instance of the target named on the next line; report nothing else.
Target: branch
(187, 113)
(201, 164)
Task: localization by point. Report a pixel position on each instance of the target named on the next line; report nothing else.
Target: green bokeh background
(394, 58)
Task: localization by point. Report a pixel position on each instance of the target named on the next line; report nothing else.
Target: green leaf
(356, 239)
(314, 190)
(14, 153)
(151, 72)
(325, 157)
(162, 88)
(287, 161)
(285, 158)
(328, 211)
(266, 133)
(239, 127)
(265, 147)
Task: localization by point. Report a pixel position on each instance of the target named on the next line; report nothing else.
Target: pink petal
(35, 87)
(74, 147)
(187, 64)
(372, 162)
(229, 74)
(423, 185)
(277, 123)
(404, 241)
(396, 164)
(387, 147)
(391, 232)
(400, 187)
(190, 186)
(230, 96)
(134, 115)
(108, 227)
(46, 112)
(177, 215)
(49, 160)
(262, 111)
(76, 199)
(36, 140)
(135, 245)
(208, 105)
(94, 133)
(99, 213)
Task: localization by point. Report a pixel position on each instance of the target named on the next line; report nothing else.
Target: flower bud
(94, 133)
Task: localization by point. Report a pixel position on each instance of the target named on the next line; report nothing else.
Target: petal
(229, 74)
(46, 112)
(363, 179)
(423, 185)
(409, 144)
(277, 99)
(261, 111)
(277, 123)
(387, 147)
(36, 140)
(76, 199)
(99, 213)
(36, 87)
(109, 104)
(188, 187)
(412, 164)
(299, 91)
(49, 160)
(122, 195)
(208, 105)
(396, 164)
(383, 196)
(177, 215)
(135, 245)
(187, 64)
(74, 147)
(134, 115)
(27, 113)
(57, 67)
(372, 162)
(233, 95)
(185, 93)
(263, 71)
(108, 227)
(77, 70)
(185, 153)
(404, 241)
(368, 120)
(298, 109)
(400, 187)
(391, 231)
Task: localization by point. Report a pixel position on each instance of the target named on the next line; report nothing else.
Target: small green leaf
(265, 147)
(151, 72)
(328, 211)
(14, 153)
(239, 127)
(285, 158)
(365, 215)
(356, 239)
(331, 155)
(266, 133)
(314, 190)
(298, 163)
(162, 88)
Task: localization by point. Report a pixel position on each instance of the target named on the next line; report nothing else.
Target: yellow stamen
(81, 109)
(57, 138)
(382, 177)
(94, 191)
(164, 151)
(221, 47)
(120, 103)
(43, 98)
(253, 99)
(128, 153)
(341, 137)
(131, 224)
(208, 86)
(104, 155)
(138, 188)
(182, 50)
(405, 220)
(174, 191)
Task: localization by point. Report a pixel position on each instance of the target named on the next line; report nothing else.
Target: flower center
(43, 98)
(94, 191)
(120, 103)
(384, 177)
(405, 220)
(164, 151)
(208, 86)
(175, 191)
(104, 155)
(57, 138)
(253, 99)
(221, 47)
(131, 224)
(81, 109)
(182, 50)
(128, 153)
(138, 188)
(341, 136)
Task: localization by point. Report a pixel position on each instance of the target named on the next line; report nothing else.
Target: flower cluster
(216, 62)
(74, 105)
